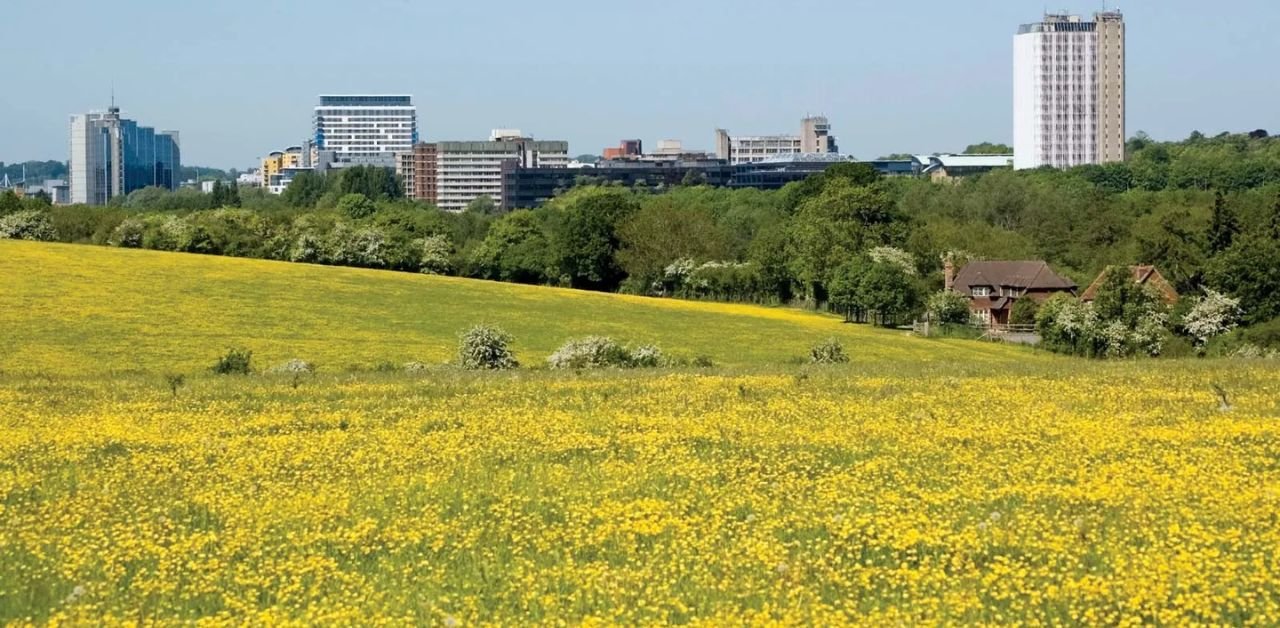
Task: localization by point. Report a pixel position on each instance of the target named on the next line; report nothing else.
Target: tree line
(1205, 211)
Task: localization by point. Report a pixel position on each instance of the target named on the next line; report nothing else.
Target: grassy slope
(68, 309)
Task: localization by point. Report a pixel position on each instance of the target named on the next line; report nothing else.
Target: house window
(981, 291)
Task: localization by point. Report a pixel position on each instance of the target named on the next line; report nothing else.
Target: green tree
(845, 288)
(1172, 240)
(482, 206)
(662, 232)
(841, 222)
(9, 202)
(693, 178)
(374, 182)
(1224, 227)
(1274, 222)
(585, 236)
(217, 196)
(1024, 312)
(356, 206)
(888, 291)
(1120, 298)
(858, 174)
(306, 189)
(515, 249)
(1247, 271)
(988, 148)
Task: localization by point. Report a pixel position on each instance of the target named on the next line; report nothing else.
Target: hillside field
(68, 309)
(926, 482)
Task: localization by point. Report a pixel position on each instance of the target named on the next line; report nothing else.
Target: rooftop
(790, 158)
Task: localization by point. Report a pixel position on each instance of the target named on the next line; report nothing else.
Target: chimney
(948, 274)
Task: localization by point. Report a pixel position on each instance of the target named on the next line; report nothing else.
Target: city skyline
(924, 78)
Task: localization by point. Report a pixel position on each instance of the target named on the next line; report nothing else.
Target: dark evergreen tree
(1224, 228)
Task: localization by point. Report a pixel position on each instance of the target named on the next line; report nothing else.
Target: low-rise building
(279, 182)
(531, 187)
(944, 168)
(1147, 276)
(994, 287)
(776, 172)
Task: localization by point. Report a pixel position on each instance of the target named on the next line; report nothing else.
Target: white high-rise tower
(1069, 91)
(365, 128)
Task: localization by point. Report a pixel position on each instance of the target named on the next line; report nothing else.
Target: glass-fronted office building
(113, 156)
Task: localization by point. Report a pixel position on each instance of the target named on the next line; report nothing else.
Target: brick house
(1143, 276)
(993, 287)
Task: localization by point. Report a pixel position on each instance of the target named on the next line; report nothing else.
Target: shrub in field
(175, 381)
(829, 352)
(702, 362)
(590, 353)
(1254, 352)
(28, 225)
(415, 367)
(646, 357)
(234, 362)
(485, 348)
(294, 366)
(128, 234)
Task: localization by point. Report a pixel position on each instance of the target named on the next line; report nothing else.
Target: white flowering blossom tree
(896, 257)
(1212, 315)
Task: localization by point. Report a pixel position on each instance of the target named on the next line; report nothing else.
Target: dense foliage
(1205, 211)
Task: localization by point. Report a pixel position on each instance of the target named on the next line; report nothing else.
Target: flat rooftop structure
(366, 100)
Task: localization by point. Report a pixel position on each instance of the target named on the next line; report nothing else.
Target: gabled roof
(1027, 275)
(1142, 275)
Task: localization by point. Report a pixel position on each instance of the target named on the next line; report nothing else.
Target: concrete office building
(365, 129)
(815, 137)
(468, 170)
(1069, 91)
(112, 156)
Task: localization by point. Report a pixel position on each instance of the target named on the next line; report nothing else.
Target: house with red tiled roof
(993, 287)
(1143, 276)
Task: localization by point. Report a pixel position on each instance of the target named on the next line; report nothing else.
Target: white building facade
(1069, 91)
(468, 170)
(365, 129)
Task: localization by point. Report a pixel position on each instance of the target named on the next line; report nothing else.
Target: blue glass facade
(148, 158)
(168, 163)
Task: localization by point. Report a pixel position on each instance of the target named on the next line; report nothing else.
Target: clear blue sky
(238, 78)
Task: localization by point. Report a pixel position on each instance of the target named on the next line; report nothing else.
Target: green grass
(83, 310)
